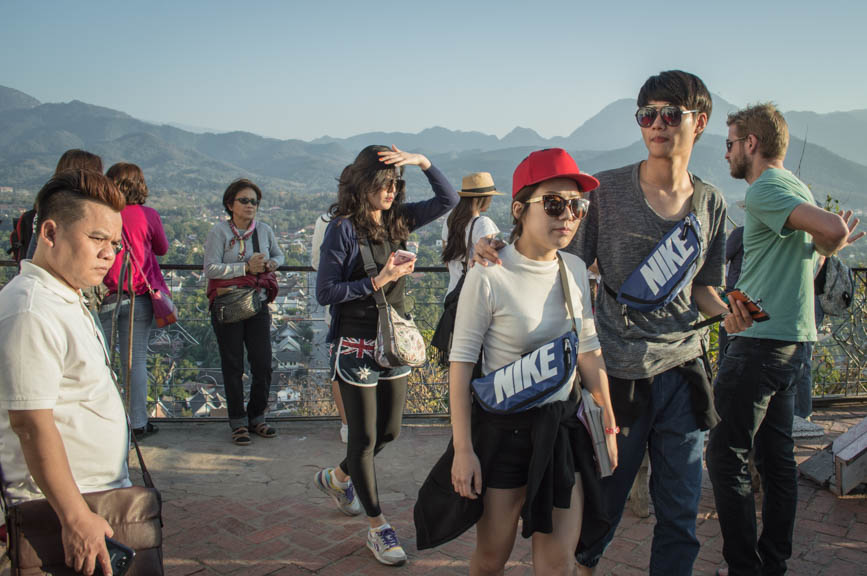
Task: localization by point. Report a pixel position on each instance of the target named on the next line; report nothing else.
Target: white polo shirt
(52, 357)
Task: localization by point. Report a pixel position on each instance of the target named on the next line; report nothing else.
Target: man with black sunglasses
(659, 387)
(784, 233)
(636, 229)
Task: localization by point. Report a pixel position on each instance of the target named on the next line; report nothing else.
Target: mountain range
(179, 161)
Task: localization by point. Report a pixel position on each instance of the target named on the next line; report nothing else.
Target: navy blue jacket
(339, 252)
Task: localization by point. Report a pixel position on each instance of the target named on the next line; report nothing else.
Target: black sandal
(264, 430)
(241, 436)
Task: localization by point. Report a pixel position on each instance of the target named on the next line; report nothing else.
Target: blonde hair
(767, 124)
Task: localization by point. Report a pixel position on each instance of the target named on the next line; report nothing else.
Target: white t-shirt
(484, 227)
(515, 308)
(52, 357)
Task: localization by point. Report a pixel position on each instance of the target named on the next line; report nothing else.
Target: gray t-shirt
(619, 231)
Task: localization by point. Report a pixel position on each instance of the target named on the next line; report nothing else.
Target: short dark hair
(63, 196)
(130, 180)
(679, 88)
(234, 188)
(75, 158)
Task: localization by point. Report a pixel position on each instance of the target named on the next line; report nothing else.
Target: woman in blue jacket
(370, 206)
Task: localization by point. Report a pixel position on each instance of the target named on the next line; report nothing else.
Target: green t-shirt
(778, 261)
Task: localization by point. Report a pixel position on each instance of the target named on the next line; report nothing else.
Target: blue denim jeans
(755, 395)
(141, 329)
(669, 431)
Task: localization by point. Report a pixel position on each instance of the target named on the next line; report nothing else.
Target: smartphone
(120, 555)
(403, 256)
(756, 311)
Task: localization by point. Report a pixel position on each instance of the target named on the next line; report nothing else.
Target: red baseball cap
(548, 164)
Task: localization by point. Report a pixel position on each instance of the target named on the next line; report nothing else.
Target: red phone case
(756, 311)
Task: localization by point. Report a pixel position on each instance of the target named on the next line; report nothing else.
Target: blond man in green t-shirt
(784, 232)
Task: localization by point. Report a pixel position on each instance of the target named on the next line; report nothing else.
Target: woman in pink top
(145, 238)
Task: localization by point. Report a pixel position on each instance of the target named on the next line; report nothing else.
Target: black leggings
(374, 415)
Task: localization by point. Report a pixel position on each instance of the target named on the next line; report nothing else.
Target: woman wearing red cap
(535, 464)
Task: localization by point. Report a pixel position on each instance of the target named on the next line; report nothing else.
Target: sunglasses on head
(250, 201)
(671, 115)
(554, 205)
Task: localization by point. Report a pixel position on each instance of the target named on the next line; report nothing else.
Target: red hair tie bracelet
(615, 430)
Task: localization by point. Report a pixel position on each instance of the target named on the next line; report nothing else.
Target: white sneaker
(345, 498)
(385, 546)
(344, 433)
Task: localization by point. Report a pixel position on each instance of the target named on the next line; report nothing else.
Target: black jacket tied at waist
(561, 447)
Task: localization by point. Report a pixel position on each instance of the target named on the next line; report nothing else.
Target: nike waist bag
(529, 381)
(669, 267)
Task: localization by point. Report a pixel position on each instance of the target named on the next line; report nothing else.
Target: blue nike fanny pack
(529, 381)
(670, 266)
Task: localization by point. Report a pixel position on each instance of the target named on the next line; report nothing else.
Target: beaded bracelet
(615, 430)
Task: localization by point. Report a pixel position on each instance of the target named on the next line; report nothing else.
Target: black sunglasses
(730, 143)
(671, 115)
(399, 184)
(554, 205)
(250, 201)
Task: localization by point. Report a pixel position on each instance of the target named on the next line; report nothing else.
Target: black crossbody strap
(469, 244)
(372, 271)
(255, 240)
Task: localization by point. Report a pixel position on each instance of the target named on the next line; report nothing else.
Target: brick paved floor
(253, 512)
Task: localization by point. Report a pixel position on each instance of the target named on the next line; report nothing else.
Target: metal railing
(184, 366)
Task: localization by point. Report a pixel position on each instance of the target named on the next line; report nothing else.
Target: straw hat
(478, 184)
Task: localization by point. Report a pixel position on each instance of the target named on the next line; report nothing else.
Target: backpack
(835, 287)
(441, 341)
(19, 238)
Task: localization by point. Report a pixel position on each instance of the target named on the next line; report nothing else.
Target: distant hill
(12, 99)
(844, 133)
(34, 135)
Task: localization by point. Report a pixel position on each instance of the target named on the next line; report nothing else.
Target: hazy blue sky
(306, 69)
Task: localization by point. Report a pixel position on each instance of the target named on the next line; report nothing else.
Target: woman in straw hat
(534, 464)
(477, 191)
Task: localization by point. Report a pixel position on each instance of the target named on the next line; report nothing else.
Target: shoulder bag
(239, 303)
(165, 311)
(398, 341)
(442, 337)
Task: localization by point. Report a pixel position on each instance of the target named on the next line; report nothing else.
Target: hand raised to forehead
(397, 157)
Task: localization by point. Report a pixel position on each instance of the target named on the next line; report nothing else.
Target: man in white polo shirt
(63, 430)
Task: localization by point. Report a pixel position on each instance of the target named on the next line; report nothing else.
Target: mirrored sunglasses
(671, 115)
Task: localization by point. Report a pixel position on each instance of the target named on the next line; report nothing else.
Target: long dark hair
(364, 176)
(456, 243)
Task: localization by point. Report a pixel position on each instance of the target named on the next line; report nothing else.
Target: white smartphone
(403, 256)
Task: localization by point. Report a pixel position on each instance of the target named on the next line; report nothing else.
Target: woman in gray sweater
(242, 253)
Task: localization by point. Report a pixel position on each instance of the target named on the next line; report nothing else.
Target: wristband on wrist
(615, 430)
(373, 283)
